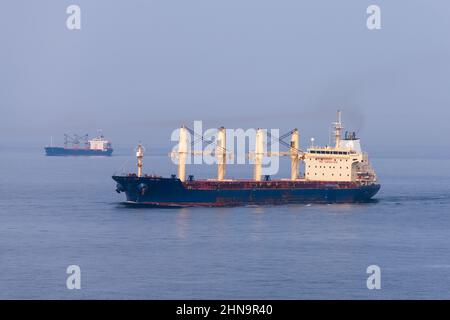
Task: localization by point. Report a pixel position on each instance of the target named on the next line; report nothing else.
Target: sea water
(62, 211)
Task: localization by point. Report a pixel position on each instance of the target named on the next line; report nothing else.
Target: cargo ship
(97, 146)
(332, 174)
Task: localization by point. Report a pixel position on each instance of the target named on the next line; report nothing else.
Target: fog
(139, 69)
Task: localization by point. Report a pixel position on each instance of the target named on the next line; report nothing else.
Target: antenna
(329, 136)
(337, 129)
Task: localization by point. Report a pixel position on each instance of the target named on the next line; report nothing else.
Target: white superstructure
(99, 143)
(343, 162)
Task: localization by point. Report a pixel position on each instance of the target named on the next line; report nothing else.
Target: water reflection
(182, 222)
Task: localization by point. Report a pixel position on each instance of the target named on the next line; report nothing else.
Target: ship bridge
(345, 161)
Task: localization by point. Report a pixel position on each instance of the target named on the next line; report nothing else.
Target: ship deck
(236, 184)
(271, 184)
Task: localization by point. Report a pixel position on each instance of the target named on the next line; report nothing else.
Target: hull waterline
(59, 151)
(172, 193)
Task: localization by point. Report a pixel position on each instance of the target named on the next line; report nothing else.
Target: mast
(294, 154)
(221, 153)
(259, 153)
(337, 130)
(139, 156)
(182, 153)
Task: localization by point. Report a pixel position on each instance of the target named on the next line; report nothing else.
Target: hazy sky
(139, 69)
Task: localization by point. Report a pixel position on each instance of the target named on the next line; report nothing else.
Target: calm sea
(56, 212)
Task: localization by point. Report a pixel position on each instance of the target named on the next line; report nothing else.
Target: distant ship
(97, 146)
(338, 174)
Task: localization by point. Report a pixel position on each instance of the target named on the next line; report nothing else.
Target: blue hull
(167, 192)
(59, 151)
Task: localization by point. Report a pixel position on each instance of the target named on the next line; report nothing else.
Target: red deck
(273, 184)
